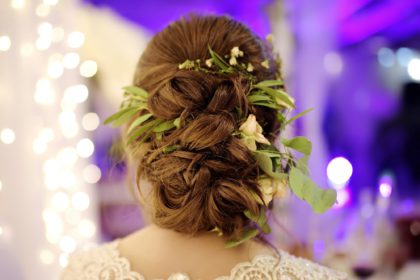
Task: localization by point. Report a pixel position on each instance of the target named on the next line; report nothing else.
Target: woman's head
(212, 178)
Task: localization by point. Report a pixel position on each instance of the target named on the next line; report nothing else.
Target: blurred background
(63, 64)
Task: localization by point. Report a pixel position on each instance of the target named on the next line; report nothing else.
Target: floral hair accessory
(281, 171)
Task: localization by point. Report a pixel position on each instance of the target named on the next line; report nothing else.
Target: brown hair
(208, 182)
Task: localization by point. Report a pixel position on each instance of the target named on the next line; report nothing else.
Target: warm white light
(90, 121)
(80, 201)
(91, 174)
(39, 147)
(67, 244)
(66, 117)
(58, 34)
(55, 69)
(68, 179)
(46, 134)
(71, 60)
(43, 83)
(60, 201)
(18, 4)
(76, 94)
(87, 228)
(1, 231)
(70, 130)
(46, 257)
(45, 29)
(85, 148)
(44, 96)
(72, 216)
(7, 136)
(54, 225)
(67, 156)
(1, 186)
(333, 63)
(26, 49)
(50, 166)
(42, 10)
(5, 43)
(67, 104)
(63, 259)
(413, 69)
(68, 125)
(43, 43)
(339, 171)
(50, 2)
(88, 68)
(76, 39)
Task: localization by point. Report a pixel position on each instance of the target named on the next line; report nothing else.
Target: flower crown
(274, 181)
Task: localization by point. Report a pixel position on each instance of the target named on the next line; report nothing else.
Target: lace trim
(105, 262)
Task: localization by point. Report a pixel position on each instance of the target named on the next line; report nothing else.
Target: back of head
(212, 178)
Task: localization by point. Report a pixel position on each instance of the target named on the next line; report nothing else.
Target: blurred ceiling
(155, 15)
(397, 21)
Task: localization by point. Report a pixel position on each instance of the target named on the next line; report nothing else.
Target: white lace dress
(105, 263)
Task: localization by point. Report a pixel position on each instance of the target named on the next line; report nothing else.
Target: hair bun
(211, 179)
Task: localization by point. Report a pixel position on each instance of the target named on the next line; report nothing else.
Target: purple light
(385, 184)
(343, 198)
(385, 189)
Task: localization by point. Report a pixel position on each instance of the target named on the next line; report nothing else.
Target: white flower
(267, 189)
(265, 64)
(209, 62)
(187, 64)
(269, 38)
(271, 188)
(252, 132)
(250, 68)
(236, 52)
(233, 61)
(281, 188)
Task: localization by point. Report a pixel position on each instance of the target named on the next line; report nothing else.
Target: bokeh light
(339, 171)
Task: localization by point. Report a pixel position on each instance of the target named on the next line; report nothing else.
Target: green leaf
(280, 118)
(247, 236)
(169, 149)
(164, 126)
(270, 153)
(139, 121)
(277, 93)
(219, 61)
(266, 164)
(260, 220)
(303, 187)
(270, 83)
(266, 229)
(137, 91)
(259, 97)
(177, 122)
(297, 116)
(142, 129)
(302, 164)
(121, 116)
(301, 144)
(271, 105)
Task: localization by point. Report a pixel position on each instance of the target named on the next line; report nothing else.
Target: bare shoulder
(301, 268)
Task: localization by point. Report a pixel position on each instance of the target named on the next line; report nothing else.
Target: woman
(205, 109)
